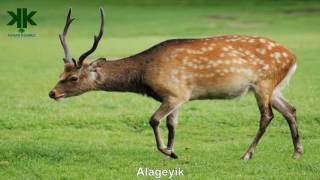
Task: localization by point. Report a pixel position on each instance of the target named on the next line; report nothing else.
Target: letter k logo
(22, 18)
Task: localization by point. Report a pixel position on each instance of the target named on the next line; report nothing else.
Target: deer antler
(67, 59)
(95, 43)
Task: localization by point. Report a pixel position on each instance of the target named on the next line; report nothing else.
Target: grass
(106, 135)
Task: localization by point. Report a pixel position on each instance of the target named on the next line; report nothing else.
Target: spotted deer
(180, 70)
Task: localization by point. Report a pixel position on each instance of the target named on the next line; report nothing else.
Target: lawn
(103, 135)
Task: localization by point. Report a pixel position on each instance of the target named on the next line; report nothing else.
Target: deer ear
(86, 67)
(91, 68)
(86, 63)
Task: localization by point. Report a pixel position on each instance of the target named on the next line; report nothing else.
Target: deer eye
(73, 78)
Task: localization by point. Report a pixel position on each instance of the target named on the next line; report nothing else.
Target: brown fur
(176, 71)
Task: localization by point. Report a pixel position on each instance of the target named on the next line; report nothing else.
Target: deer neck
(124, 75)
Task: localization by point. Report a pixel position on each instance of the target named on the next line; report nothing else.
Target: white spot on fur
(212, 44)
(262, 40)
(247, 52)
(225, 49)
(285, 54)
(204, 49)
(277, 55)
(271, 45)
(234, 61)
(251, 41)
(266, 67)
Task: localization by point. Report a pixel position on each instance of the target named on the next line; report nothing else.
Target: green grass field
(103, 135)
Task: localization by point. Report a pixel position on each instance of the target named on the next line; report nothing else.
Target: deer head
(77, 76)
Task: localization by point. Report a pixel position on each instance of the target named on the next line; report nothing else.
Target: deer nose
(52, 94)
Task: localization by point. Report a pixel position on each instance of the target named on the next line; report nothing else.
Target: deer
(176, 71)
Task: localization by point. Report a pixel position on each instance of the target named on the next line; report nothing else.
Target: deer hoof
(247, 156)
(173, 155)
(297, 155)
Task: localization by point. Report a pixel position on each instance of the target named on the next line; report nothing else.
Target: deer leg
(288, 112)
(171, 125)
(263, 100)
(167, 106)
